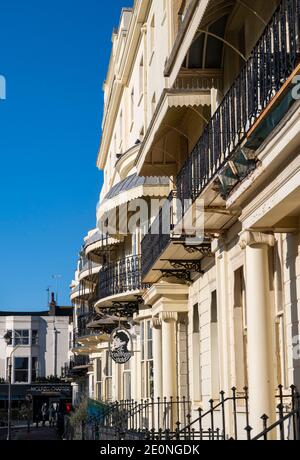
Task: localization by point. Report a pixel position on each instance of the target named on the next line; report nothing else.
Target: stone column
(157, 358)
(260, 325)
(169, 320)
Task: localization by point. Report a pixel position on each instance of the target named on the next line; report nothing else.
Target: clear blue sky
(54, 56)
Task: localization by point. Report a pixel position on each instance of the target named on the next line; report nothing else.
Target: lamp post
(8, 339)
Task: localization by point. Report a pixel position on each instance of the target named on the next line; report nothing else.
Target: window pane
(21, 337)
(150, 389)
(127, 385)
(108, 385)
(142, 341)
(149, 337)
(21, 370)
(143, 380)
(21, 376)
(99, 370)
(21, 363)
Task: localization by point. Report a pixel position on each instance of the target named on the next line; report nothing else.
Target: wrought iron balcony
(120, 277)
(226, 151)
(83, 322)
(76, 363)
(157, 239)
(269, 66)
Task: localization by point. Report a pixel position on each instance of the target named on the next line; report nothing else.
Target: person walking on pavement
(51, 416)
(44, 413)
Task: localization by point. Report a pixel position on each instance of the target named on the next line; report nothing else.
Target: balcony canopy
(132, 188)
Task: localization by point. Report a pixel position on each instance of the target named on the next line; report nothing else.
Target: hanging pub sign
(120, 346)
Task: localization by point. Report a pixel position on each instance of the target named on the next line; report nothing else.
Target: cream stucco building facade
(200, 106)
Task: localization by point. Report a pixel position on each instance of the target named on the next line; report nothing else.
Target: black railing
(270, 64)
(69, 369)
(120, 277)
(83, 321)
(173, 420)
(158, 237)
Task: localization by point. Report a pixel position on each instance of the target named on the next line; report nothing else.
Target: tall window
(240, 330)
(127, 382)
(35, 337)
(34, 369)
(108, 377)
(214, 334)
(280, 319)
(99, 378)
(147, 359)
(21, 370)
(22, 337)
(197, 393)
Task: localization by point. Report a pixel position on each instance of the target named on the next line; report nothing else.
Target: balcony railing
(271, 63)
(69, 369)
(83, 321)
(120, 277)
(158, 237)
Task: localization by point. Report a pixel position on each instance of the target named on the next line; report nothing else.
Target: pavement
(44, 433)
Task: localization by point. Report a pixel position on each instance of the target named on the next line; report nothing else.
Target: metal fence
(174, 420)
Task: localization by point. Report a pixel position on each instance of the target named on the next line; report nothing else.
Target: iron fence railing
(122, 276)
(172, 420)
(270, 64)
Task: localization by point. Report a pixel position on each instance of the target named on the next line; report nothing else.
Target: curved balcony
(97, 244)
(120, 281)
(88, 271)
(80, 292)
(125, 162)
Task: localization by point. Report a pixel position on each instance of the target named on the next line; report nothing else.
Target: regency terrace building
(201, 108)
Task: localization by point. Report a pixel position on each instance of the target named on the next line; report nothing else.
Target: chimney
(52, 305)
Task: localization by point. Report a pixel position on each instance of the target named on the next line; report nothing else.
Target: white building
(41, 341)
(200, 105)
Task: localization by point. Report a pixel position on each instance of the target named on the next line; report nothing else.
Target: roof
(60, 311)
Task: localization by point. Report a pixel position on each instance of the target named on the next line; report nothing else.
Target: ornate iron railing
(171, 420)
(270, 64)
(83, 320)
(120, 277)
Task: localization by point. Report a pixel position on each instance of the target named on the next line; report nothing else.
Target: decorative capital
(156, 323)
(169, 316)
(249, 238)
